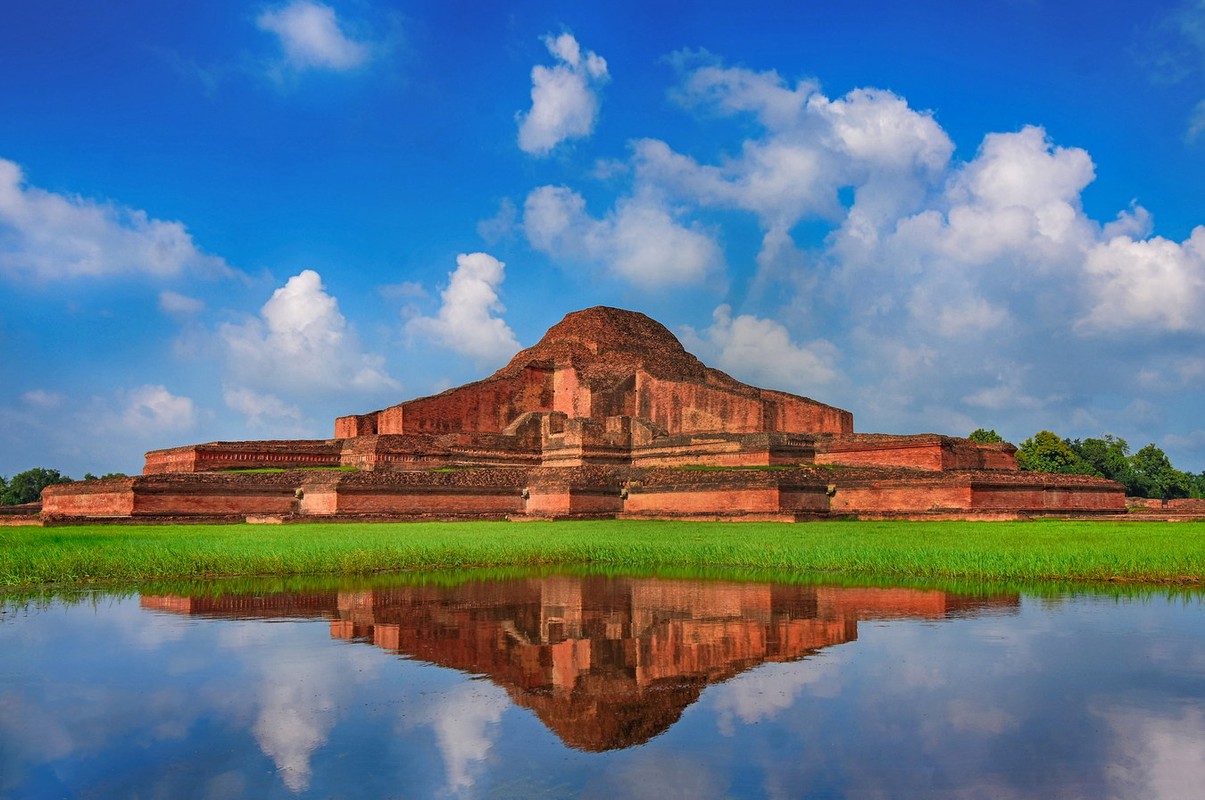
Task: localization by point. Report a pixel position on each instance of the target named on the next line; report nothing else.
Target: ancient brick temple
(606, 416)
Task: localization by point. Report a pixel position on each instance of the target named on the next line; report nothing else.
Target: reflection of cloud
(295, 697)
(31, 732)
(295, 702)
(228, 784)
(667, 778)
(765, 692)
(146, 631)
(1156, 756)
(462, 722)
(974, 716)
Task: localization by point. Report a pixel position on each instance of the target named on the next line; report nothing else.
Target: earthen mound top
(606, 344)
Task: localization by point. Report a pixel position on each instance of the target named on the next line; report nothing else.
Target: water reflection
(602, 687)
(605, 663)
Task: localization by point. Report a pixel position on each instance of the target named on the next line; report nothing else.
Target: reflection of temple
(604, 663)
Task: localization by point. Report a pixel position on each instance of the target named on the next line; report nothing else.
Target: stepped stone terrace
(607, 416)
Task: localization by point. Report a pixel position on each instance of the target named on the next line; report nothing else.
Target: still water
(602, 687)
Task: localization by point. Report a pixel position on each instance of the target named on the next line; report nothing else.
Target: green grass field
(1047, 550)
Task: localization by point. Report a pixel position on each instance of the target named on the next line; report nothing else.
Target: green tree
(27, 486)
(985, 436)
(88, 476)
(1047, 452)
(1157, 475)
(1110, 457)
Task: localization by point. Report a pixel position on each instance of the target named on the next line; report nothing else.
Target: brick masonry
(606, 416)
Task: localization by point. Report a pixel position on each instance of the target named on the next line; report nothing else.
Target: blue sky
(229, 220)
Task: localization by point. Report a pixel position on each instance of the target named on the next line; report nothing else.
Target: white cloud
(813, 146)
(312, 37)
(761, 352)
(98, 433)
(733, 91)
(153, 409)
(640, 241)
(1026, 170)
(465, 321)
(261, 408)
(1173, 51)
(811, 149)
(50, 236)
(405, 290)
(1196, 122)
(1155, 284)
(564, 98)
(951, 315)
(1008, 240)
(178, 304)
(1192, 442)
(301, 343)
(953, 286)
(501, 225)
(1005, 395)
(42, 399)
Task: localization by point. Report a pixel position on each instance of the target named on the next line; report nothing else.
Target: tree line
(27, 486)
(1146, 473)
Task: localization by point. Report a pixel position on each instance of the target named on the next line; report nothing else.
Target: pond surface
(602, 687)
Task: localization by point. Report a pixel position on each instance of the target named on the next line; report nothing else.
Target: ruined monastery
(607, 416)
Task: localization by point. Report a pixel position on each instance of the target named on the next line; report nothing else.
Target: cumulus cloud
(465, 321)
(152, 408)
(955, 286)
(98, 433)
(1156, 284)
(564, 97)
(639, 241)
(301, 343)
(812, 147)
(761, 352)
(312, 38)
(49, 236)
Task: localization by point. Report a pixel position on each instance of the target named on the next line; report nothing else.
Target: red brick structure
(606, 416)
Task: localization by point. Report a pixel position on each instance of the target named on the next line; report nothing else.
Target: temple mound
(601, 363)
(606, 416)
